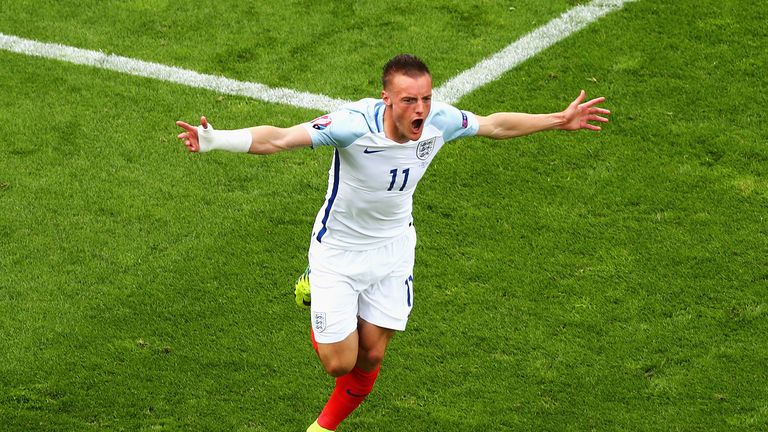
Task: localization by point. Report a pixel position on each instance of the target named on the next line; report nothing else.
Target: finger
(598, 119)
(186, 126)
(204, 122)
(593, 102)
(600, 111)
(580, 98)
(592, 127)
(190, 145)
(183, 136)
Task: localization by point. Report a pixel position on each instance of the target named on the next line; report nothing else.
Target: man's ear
(385, 98)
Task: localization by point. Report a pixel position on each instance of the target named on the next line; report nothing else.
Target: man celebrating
(363, 242)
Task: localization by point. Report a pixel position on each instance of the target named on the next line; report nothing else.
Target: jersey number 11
(394, 178)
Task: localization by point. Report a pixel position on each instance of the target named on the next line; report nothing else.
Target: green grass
(298, 44)
(565, 281)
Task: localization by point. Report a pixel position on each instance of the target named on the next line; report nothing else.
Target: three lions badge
(424, 148)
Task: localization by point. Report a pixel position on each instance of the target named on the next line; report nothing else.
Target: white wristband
(238, 141)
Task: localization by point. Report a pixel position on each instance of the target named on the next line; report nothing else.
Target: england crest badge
(424, 148)
(319, 322)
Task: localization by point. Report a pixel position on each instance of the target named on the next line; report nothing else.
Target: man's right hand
(190, 136)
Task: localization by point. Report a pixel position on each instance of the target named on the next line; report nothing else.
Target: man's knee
(373, 345)
(339, 358)
(337, 367)
(372, 357)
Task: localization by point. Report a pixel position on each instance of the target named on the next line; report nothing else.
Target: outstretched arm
(256, 140)
(577, 116)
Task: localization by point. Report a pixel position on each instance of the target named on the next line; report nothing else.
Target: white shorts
(375, 285)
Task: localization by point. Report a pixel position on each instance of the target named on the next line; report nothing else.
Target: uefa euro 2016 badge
(319, 322)
(424, 148)
(321, 122)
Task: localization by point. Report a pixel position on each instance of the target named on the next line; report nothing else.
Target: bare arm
(578, 115)
(271, 139)
(256, 140)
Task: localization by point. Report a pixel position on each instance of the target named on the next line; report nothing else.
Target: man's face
(408, 101)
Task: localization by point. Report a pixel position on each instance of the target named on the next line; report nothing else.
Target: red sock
(351, 389)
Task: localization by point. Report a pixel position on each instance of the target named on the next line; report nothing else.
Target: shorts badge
(319, 322)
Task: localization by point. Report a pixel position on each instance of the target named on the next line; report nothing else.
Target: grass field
(564, 281)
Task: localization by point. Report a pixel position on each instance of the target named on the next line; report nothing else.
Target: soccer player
(362, 247)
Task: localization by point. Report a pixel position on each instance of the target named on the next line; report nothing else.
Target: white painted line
(521, 50)
(168, 73)
(484, 72)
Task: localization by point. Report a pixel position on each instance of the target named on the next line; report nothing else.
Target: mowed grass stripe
(484, 72)
(491, 68)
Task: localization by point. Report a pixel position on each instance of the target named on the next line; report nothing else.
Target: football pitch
(612, 281)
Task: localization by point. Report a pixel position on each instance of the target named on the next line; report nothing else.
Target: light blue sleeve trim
(453, 122)
(338, 129)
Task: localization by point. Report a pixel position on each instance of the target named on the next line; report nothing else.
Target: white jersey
(372, 178)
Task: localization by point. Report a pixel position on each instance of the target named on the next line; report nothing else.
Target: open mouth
(416, 124)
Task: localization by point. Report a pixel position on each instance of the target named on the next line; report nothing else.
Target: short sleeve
(453, 122)
(337, 129)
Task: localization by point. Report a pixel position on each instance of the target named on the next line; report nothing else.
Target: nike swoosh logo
(369, 151)
(356, 395)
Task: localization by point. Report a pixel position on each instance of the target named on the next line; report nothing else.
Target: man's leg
(340, 357)
(356, 360)
(368, 344)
